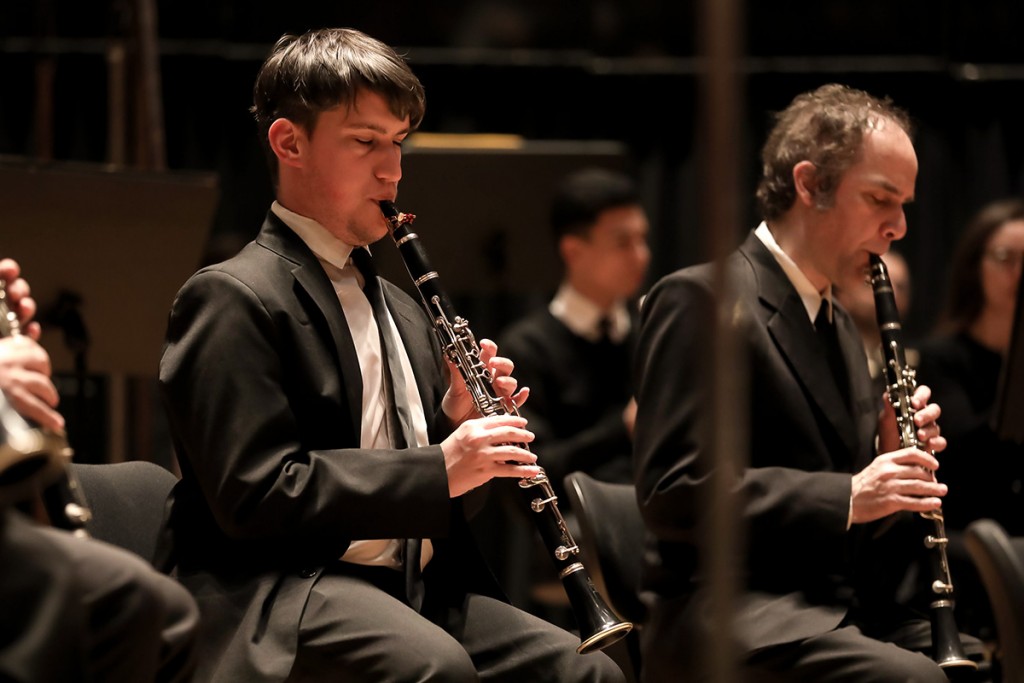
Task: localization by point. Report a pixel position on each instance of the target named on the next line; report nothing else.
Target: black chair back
(1000, 562)
(613, 537)
(127, 501)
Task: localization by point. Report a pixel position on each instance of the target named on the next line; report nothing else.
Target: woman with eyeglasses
(961, 363)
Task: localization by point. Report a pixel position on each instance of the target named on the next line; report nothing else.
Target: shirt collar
(583, 316)
(809, 295)
(322, 243)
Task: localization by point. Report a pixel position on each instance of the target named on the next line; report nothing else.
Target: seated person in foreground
(328, 457)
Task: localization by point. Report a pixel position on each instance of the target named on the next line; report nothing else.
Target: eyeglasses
(1005, 257)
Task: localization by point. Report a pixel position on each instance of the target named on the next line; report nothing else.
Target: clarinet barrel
(599, 626)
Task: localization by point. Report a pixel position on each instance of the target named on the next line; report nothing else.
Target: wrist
(457, 411)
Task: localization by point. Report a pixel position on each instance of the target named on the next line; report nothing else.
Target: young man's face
(866, 214)
(609, 263)
(349, 163)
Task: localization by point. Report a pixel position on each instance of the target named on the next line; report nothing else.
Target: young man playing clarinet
(323, 541)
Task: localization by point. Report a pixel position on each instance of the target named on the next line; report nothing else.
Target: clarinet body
(901, 381)
(36, 461)
(599, 627)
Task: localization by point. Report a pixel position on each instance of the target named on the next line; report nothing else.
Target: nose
(643, 254)
(895, 229)
(389, 167)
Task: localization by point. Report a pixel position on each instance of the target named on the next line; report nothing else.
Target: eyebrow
(892, 189)
(376, 128)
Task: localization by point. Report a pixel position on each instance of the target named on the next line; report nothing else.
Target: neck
(993, 331)
(792, 234)
(600, 299)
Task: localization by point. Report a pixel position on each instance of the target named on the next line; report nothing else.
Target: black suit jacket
(263, 391)
(803, 569)
(578, 391)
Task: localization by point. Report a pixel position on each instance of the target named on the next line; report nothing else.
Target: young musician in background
(75, 609)
(576, 354)
(823, 508)
(323, 540)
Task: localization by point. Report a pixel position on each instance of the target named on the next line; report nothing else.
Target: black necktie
(826, 331)
(397, 414)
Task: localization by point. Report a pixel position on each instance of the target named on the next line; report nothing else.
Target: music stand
(120, 243)
(1008, 412)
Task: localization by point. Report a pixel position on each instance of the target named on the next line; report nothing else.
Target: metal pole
(45, 76)
(153, 152)
(720, 105)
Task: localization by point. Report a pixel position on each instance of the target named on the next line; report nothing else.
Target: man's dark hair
(320, 70)
(584, 195)
(826, 127)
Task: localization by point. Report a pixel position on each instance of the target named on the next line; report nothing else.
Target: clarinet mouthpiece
(395, 217)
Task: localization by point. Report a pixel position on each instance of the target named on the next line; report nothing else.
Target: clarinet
(599, 627)
(36, 461)
(901, 381)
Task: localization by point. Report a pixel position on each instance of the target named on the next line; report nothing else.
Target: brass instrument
(599, 627)
(901, 381)
(36, 461)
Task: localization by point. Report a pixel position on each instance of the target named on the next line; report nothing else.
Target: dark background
(598, 80)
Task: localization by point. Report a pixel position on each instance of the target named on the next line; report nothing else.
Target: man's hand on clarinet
(458, 403)
(902, 478)
(487, 447)
(19, 297)
(482, 448)
(926, 420)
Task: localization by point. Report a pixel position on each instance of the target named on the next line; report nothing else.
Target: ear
(805, 180)
(287, 139)
(569, 247)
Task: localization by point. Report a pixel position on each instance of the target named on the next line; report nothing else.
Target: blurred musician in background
(576, 354)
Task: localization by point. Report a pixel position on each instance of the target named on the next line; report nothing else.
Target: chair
(613, 548)
(127, 501)
(613, 538)
(999, 559)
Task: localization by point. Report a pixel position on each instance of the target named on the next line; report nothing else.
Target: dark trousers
(357, 627)
(81, 610)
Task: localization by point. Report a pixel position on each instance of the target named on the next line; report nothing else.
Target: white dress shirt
(583, 316)
(334, 256)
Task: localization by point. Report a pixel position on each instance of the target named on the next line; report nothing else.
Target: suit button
(307, 573)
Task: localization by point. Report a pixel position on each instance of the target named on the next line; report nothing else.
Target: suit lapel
(862, 390)
(310, 277)
(792, 332)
